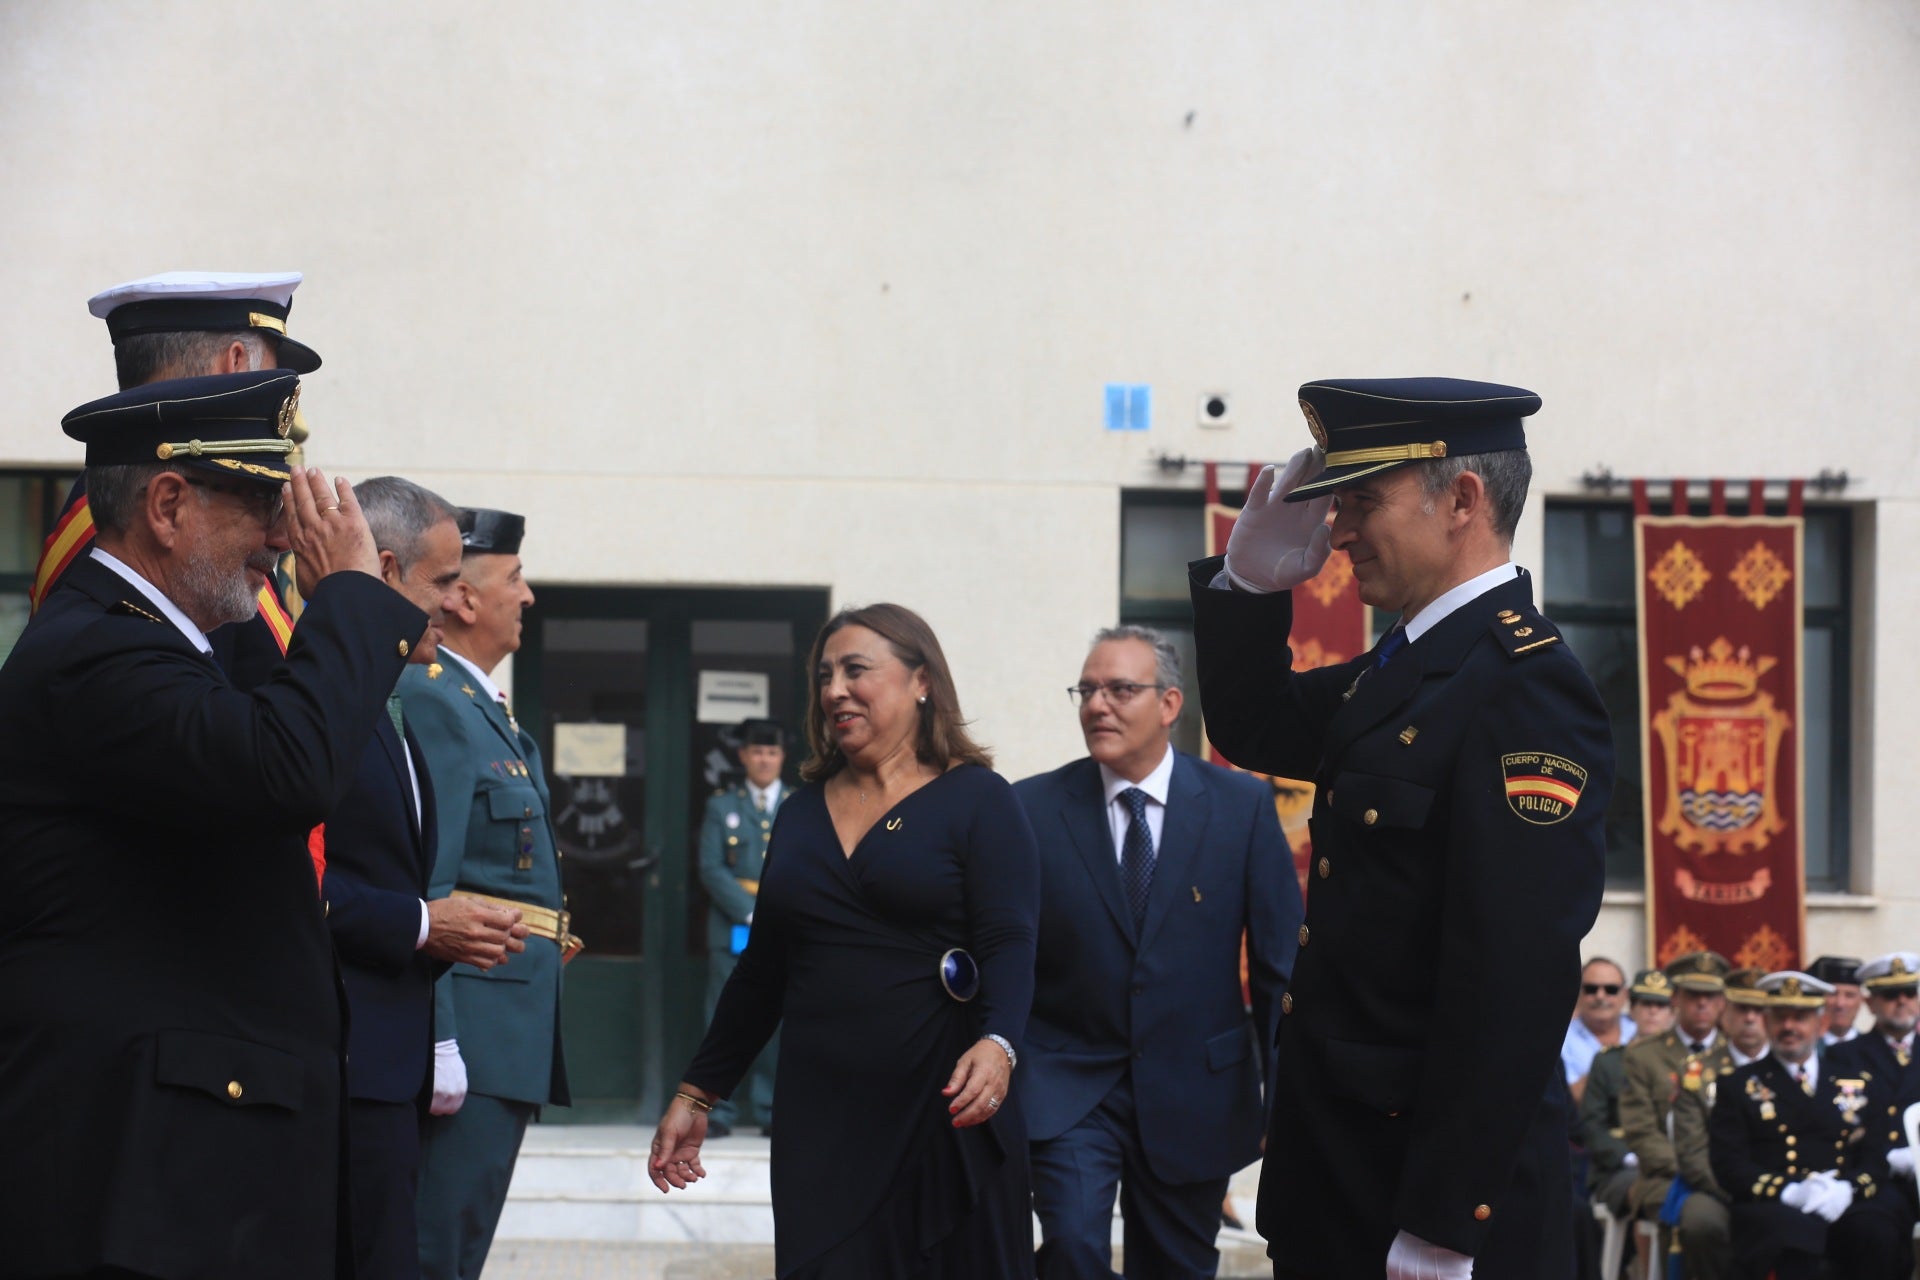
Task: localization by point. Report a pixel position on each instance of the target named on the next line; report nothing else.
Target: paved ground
(580, 1260)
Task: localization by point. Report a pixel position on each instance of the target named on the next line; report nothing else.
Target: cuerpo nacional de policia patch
(1542, 788)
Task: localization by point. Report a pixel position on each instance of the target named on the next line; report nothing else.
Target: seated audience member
(1884, 1056)
(1613, 1165)
(1744, 1023)
(1807, 1176)
(1597, 1022)
(1842, 974)
(1687, 1059)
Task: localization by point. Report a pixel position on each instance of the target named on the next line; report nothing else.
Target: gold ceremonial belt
(541, 922)
(1387, 453)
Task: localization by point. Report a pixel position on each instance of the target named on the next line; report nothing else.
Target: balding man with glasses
(1144, 1070)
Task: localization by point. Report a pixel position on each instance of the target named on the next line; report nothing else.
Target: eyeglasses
(1595, 988)
(1119, 692)
(265, 505)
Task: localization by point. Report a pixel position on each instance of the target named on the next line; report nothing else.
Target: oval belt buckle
(960, 975)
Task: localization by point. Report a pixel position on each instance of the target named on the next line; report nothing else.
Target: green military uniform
(1660, 1071)
(733, 850)
(1609, 1176)
(496, 840)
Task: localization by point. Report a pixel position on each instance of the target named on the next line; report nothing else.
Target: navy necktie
(1395, 641)
(1136, 855)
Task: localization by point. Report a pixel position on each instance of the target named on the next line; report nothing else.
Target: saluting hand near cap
(326, 528)
(1276, 544)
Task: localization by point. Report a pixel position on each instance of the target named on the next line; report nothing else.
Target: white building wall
(824, 292)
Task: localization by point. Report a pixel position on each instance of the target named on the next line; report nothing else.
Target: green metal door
(610, 678)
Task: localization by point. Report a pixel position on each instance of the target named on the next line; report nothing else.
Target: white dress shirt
(1464, 594)
(1120, 817)
(768, 799)
(195, 636)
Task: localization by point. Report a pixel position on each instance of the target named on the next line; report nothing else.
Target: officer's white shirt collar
(1810, 1069)
(1827, 1037)
(485, 681)
(766, 799)
(1155, 784)
(1739, 1059)
(1472, 589)
(1713, 1038)
(1899, 1044)
(195, 636)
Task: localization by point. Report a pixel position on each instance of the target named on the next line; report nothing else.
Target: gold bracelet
(693, 1102)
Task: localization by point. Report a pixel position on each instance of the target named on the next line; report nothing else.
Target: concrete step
(589, 1184)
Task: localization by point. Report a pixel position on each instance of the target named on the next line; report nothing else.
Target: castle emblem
(1721, 739)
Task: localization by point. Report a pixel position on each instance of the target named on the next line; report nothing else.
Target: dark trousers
(466, 1163)
(1867, 1243)
(384, 1181)
(1169, 1228)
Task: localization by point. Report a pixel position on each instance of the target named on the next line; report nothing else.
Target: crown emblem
(1313, 425)
(1721, 673)
(1899, 966)
(1790, 988)
(288, 412)
(1656, 981)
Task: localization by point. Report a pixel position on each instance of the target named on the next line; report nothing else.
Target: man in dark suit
(391, 941)
(1142, 1067)
(170, 1023)
(1463, 769)
(1794, 1141)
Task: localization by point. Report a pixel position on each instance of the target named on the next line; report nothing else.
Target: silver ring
(993, 1104)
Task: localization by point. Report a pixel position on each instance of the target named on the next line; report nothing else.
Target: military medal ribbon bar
(1720, 695)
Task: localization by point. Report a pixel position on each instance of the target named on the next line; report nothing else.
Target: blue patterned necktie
(1395, 641)
(1136, 855)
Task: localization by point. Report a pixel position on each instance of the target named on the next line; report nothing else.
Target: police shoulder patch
(1542, 788)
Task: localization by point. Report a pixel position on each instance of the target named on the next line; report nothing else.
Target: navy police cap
(492, 532)
(231, 423)
(1371, 425)
(207, 302)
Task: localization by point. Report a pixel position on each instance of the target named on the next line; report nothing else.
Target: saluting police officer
(1796, 1144)
(1463, 769)
(733, 848)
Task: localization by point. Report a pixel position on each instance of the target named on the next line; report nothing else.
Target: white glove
(1412, 1258)
(1276, 544)
(1631, 1160)
(1834, 1201)
(1900, 1160)
(449, 1078)
(1800, 1195)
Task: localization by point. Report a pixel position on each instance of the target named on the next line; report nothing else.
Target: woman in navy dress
(897, 1155)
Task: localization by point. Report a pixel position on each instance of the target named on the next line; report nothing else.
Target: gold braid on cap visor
(1387, 453)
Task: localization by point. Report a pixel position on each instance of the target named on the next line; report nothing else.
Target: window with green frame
(30, 503)
(1590, 595)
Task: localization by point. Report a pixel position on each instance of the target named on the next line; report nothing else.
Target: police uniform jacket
(379, 855)
(1457, 832)
(495, 838)
(733, 849)
(1660, 1069)
(1767, 1133)
(170, 1021)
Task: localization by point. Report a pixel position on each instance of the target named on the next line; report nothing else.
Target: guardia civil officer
(497, 1051)
(1795, 1142)
(1463, 769)
(170, 1082)
(734, 832)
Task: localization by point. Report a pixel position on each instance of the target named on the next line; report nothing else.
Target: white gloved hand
(449, 1078)
(1836, 1200)
(1412, 1258)
(1800, 1195)
(1900, 1160)
(1631, 1160)
(1276, 544)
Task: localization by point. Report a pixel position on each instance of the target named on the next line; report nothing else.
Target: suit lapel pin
(1196, 893)
(893, 824)
(1408, 734)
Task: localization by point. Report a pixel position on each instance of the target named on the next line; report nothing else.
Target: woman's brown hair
(942, 740)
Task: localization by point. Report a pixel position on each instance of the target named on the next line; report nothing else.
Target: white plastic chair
(1613, 1241)
(1650, 1233)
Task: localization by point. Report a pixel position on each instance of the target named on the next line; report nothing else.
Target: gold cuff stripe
(541, 922)
(1387, 453)
(223, 448)
(260, 320)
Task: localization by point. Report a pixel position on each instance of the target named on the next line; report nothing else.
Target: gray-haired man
(1142, 1065)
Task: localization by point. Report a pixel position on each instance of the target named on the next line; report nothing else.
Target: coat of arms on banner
(1722, 746)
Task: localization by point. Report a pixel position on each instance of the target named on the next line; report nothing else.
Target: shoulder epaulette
(127, 608)
(1523, 633)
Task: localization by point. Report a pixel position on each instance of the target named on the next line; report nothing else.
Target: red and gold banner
(1720, 664)
(1330, 625)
